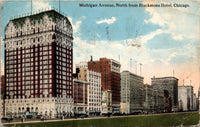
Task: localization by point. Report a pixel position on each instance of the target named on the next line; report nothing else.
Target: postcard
(100, 63)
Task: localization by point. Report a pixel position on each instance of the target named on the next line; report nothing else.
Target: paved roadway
(99, 117)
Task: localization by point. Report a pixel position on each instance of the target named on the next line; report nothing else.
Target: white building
(185, 98)
(94, 87)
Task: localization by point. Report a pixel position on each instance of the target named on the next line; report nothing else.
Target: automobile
(42, 119)
(6, 119)
(29, 116)
(38, 116)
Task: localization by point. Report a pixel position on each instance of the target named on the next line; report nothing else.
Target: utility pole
(140, 69)
(130, 64)
(135, 67)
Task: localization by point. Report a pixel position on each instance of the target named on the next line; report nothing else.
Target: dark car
(39, 117)
(6, 119)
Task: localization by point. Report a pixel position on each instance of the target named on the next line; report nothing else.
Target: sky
(162, 41)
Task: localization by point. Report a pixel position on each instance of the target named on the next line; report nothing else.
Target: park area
(170, 119)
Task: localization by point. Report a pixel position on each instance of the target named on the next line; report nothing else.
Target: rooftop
(162, 78)
(36, 17)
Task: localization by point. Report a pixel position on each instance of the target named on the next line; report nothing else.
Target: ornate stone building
(38, 65)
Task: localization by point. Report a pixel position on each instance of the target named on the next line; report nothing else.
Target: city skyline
(139, 35)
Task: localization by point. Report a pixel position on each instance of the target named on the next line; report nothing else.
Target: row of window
(28, 73)
(28, 50)
(31, 59)
(25, 90)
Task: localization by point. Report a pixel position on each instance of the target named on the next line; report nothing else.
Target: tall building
(38, 65)
(132, 94)
(169, 85)
(94, 87)
(110, 80)
(185, 97)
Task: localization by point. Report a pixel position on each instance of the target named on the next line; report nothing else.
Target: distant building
(3, 85)
(82, 65)
(132, 94)
(154, 99)
(159, 100)
(194, 102)
(198, 93)
(184, 104)
(198, 97)
(168, 85)
(110, 79)
(149, 102)
(190, 96)
(38, 65)
(94, 87)
(2, 108)
(2, 96)
(186, 98)
(80, 90)
(107, 102)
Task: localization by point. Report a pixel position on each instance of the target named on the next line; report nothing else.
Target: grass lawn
(150, 121)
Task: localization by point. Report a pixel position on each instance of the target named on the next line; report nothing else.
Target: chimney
(91, 58)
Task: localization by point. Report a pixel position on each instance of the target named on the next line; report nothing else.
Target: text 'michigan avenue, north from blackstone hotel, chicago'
(91, 5)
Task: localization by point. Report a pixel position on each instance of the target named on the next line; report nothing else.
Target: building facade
(169, 85)
(194, 102)
(3, 85)
(149, 101)
(38, 65)
(110, 78)
(186, 98)
(94, 93)
(158, 100)
(94, 87)
(106, 102)
(2, 96)
(80, 88)
(132, 94)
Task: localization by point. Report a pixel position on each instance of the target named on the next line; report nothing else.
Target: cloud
(76, 25)
(143, 39)
(181, 23)
(38, 5)
(108, 21)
